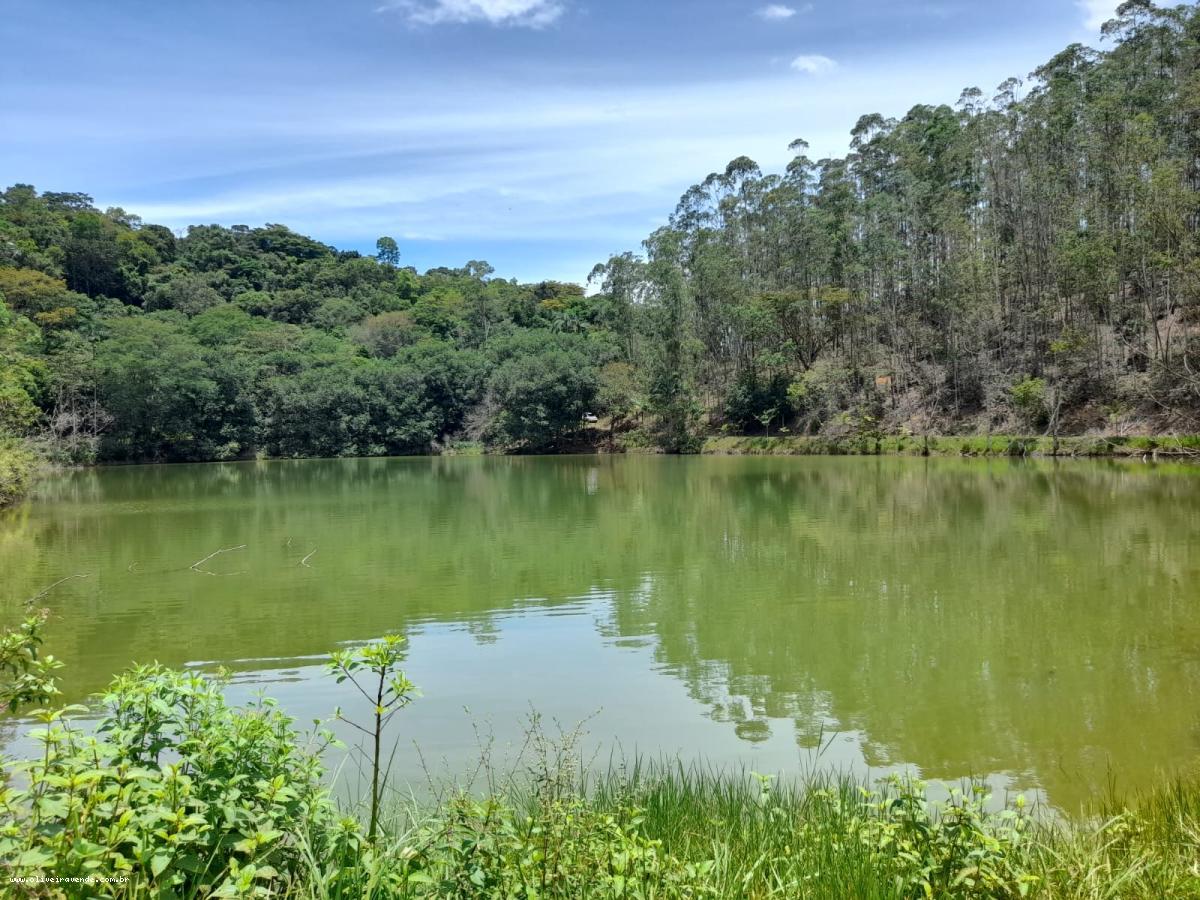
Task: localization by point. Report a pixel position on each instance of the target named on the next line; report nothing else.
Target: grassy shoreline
(1132, 447)
(659, 831)
(19, 465)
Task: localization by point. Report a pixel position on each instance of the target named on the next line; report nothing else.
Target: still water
(1037, 624)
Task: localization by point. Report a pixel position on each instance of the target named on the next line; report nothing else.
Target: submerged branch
(195, 567)
(44, 591)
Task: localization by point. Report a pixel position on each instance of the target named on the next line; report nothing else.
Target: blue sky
(540, 135)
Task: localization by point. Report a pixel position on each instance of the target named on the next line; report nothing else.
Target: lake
(1033, 623)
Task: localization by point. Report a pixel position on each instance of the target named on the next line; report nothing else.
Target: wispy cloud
(1097, 12)
(776, 12)
(529, 165)
(458, 165)
(541, 162)
(813, 64)
(525, 13)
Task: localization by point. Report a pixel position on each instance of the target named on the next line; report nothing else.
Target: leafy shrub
(1028, 397)
(821, 393)
(176, 791)
(754, 403)
(564, 848)
(25, 674)
(957, 850)
(17, 466)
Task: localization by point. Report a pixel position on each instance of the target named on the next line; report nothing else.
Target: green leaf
(34, 858)
(159, 862)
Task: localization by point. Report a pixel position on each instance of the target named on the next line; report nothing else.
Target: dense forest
(125, 342)
(1024, 262)
(1021, 262)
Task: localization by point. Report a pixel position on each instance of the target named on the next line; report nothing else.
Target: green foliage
(320, 411)
(915, 282)
(189, 293)
(92, 256)
(850, 444)
(755, 402)
(162, 391)
(22, 375)
(17, 467)
(176, 793)
(26, 675)
(945, 253)
(236, 341)
(822, 393)
(18, 412)
(386, 334)
(673, 349)
(563, 848)
(542, 396)
(620, 396)
(1029, 396)
(368, 408)
(387, 251)
(960, 851)
(374, 671)
(29, 291)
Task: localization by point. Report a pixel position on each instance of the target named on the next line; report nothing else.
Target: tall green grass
(683, 832)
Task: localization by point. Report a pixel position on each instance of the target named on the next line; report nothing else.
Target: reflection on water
(1039, 623)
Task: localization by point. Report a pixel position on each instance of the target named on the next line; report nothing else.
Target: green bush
(755, 404)
(17, 465)
(1029, 398)
(961, 851)
(563, 848)
(176, 793)
(26, 675)
(823, 391)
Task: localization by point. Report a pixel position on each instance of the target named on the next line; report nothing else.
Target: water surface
(1034, 623)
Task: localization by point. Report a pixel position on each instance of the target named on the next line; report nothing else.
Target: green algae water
(1036, 624)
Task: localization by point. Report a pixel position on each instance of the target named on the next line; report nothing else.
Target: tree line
(1024, 262)
(123, 341)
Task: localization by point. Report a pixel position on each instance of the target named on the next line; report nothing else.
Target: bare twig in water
(195, 567)
(44, 591)
(304, 562)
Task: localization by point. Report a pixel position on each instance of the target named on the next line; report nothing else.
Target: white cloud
(776, 12)
(1097, 12)
(813, 64)
(527, 13)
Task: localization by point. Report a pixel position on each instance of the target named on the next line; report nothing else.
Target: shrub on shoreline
(17, 465)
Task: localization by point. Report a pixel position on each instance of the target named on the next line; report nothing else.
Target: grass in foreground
(178, 794)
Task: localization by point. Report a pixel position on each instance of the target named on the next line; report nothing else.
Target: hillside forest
(1025, 261)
